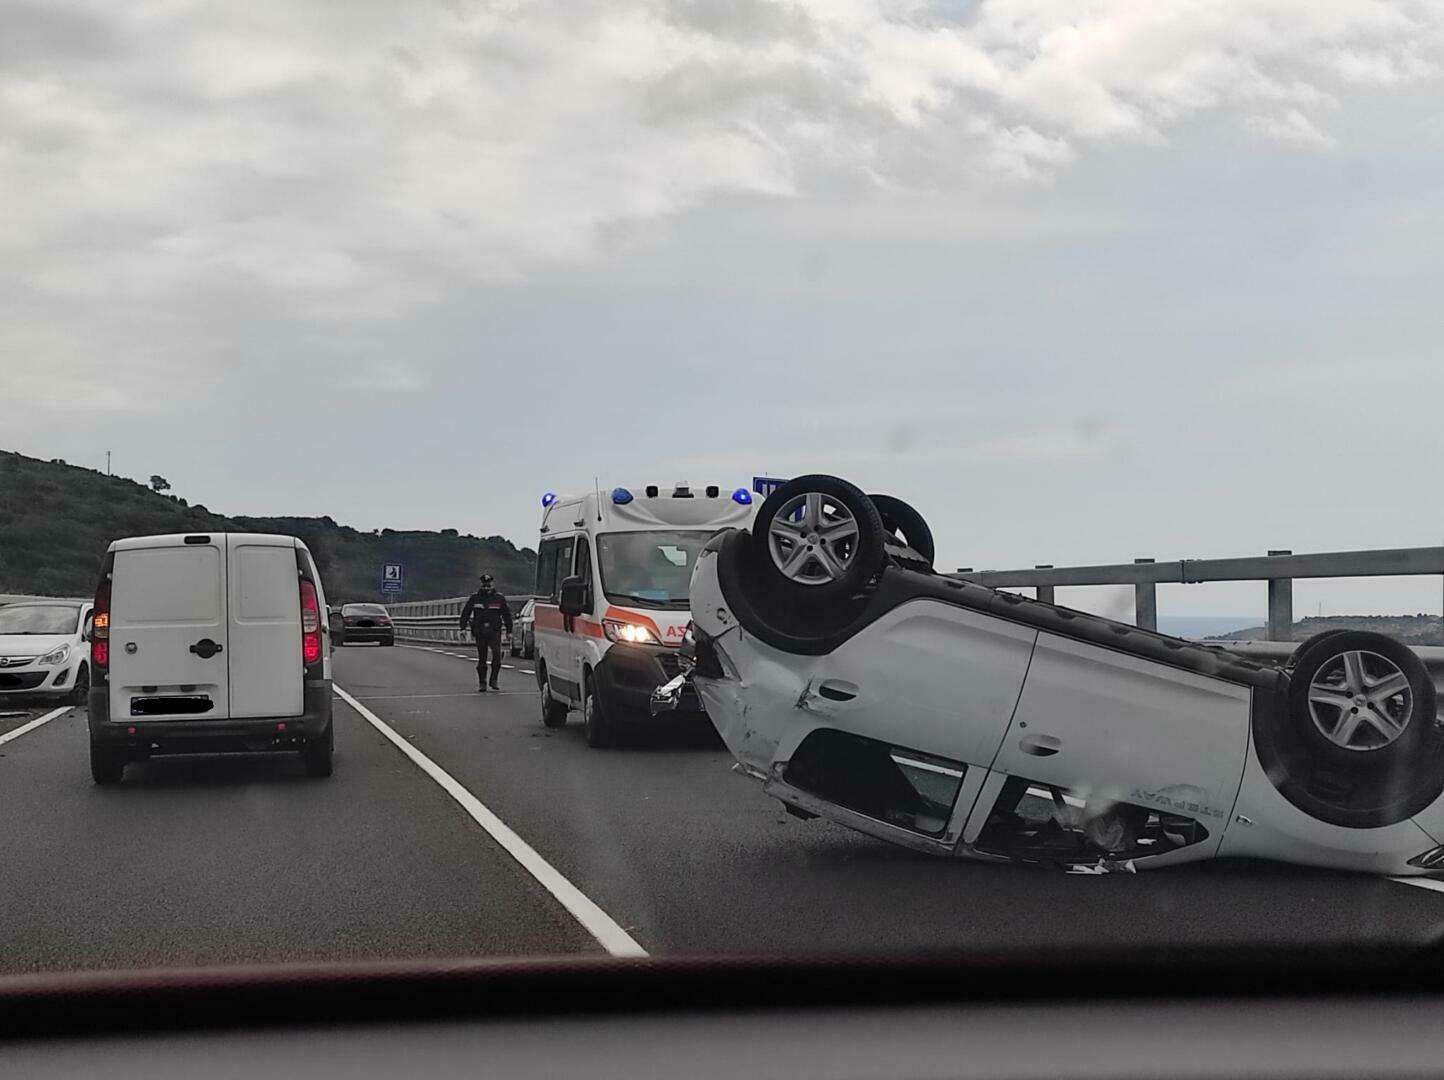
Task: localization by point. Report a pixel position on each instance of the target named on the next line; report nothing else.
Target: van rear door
(168, 636)
(267, 677)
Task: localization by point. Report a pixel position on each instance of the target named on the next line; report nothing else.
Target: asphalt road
(226, 860)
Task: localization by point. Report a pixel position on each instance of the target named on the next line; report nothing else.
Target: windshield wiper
(640, 601)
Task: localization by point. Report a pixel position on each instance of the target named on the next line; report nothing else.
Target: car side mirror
(87, 631)
(574, 600)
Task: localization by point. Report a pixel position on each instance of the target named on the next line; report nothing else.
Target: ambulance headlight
(629, 633)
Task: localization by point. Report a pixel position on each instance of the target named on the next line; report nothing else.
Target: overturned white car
(858, 685)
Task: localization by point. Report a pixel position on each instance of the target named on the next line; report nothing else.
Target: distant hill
(56, 520)
(1418, 629)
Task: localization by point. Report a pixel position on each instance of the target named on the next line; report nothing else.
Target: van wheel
(106, 766)
(1363, 702)
(596, 725)
(821, 538)
(554, 712)
(80, 692)
(317, 754)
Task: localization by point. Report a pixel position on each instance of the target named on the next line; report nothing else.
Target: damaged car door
(1131, 758)
(883, 736)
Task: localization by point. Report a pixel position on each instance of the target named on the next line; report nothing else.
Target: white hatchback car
(858, 685)
(43, 650)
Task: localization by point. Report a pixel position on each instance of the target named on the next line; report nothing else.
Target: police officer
(486, 612)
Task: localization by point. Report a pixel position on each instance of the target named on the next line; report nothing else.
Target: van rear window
(263, 584)
(166, 585)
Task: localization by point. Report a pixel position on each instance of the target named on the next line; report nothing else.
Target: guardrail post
(1281, 605)
(1044, 592)
(1145, 602)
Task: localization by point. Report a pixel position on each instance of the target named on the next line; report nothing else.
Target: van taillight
(310, 623)
(100, 628)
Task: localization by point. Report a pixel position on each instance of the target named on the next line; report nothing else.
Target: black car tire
(1308, 643)
(1404, 755)
(866, 552)
(900, 520)
(553, 712)
(107, 766)
(596, 723)
(389, 642)
(318, 754)
(80, 692)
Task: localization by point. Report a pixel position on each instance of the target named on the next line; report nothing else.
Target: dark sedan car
(366, 622)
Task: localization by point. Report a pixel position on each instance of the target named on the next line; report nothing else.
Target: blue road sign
(392, 577)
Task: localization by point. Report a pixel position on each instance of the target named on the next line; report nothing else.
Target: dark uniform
(486, 612)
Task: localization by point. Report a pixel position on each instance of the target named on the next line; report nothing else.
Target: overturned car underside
(859, 686)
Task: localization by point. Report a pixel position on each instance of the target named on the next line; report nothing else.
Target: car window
(40, 619)
(554, 559)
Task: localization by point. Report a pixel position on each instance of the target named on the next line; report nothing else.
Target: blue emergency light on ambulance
(614, 571)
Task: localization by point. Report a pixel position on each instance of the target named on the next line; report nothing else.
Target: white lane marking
(464, 656)
(33, 724)
(408, 697)
(1421, 882)
(593, 919)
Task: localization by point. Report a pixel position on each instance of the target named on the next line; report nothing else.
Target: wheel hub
(812, 539)
(1360, 701)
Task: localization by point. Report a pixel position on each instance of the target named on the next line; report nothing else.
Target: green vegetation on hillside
(56, 521)
(1420, 629)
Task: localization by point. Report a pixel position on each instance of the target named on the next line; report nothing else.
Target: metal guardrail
(434, 622)
(1278, 568)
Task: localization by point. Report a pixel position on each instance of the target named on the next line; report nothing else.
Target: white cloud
(1290, 126)
(342, 162)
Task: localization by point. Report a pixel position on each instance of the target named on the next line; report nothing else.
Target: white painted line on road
(408, 697)
(33, 724)
(1421, 882)
(593, 919)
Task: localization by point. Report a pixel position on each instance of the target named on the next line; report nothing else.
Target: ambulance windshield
(650, 569)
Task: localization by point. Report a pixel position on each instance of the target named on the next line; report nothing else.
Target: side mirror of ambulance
(574, 596)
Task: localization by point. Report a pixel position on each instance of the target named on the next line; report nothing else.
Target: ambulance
(613, 572)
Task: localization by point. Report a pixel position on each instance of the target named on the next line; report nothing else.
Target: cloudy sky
(1083, 281)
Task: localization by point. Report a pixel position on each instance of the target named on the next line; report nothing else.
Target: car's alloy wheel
(906, 525)
(821, 538)
(1360, 701)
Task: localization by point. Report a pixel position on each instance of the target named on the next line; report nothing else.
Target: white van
(207, 643)
(611, 613)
